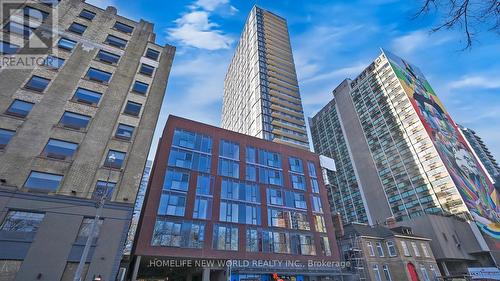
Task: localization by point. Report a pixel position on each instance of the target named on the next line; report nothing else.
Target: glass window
(152, 54)
(98, 75)
(387, 273)
(312, 169)
(172, 204)
(204, 184)
(37, 83)
(20, 221)
(424, 273)
(66, 44)
(276, 242)
(167, 233)
(325, 246)
(319, 223)
(202, 208)
(77, 28)
(225, 238)
(123, 27)
(391, 248)
(146, 69)
(298, 181)
(251, 173)
(87, 96)
(299, 201)
(275, 196)
(229, 168)
(250, 154)
(229, 149)
(140, 87)
(380, 250)
(269, 158)
(5, 137)
(43, 181)
(176, 180)
(314, 185)
(193, 141)
(189, 160)
(185, 234)
(425, 250)
(132, 108)
(108, 57)
(114, 159)
(239, 190)
(370, 249)
(317, 204)
(406, 251)
(270, 176)
(376, 272)
(116, 41)
(295, 165)
(7, 48)
(306, 244)
(415, 249)
(124, 132)
(254, 241)
(58, 149)
(54, 62)
(35, 13)
(239, 213)
(16, 28)
(86, 228)
(20, 108)
(74, 120)
(86, 14)
(435, 273)
(103, 188)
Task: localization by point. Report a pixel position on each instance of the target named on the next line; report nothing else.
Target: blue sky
(331, 40)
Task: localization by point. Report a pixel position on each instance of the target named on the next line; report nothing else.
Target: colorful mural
(476, 190)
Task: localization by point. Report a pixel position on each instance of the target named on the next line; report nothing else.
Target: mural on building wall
(477, 191)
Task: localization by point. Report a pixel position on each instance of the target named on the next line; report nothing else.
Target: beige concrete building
(261, 92)
(72, 132)
(378, 253)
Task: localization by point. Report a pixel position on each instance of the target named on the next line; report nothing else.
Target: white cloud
(210, 5)
(345, 72)
(476, 82)
(195, 30)
(413, 41)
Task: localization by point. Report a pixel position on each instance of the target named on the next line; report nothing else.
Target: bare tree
(470, 16)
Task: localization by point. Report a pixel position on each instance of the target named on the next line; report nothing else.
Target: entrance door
(413, 272)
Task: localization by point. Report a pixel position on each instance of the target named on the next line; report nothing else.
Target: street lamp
(100, 204)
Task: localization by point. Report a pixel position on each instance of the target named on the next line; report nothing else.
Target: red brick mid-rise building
(215, 195)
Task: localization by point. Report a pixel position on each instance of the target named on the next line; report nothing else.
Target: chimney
(338, 225)
(390, 222)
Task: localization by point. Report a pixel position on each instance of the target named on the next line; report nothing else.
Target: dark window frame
(129, 112)
(33, 88)
(124, 25)
(72, 28)
(19, 115)
(61, 124)
(82, 101)
(83, 11)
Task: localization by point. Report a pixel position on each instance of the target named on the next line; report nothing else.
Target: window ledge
(32, 90)
(82, 103)
(54, 159)
(95, 81)
(70, 129)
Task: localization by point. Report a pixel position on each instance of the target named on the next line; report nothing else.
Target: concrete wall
(53, 248)
(376, 203)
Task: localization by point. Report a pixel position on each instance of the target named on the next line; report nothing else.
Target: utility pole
(100, 205)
